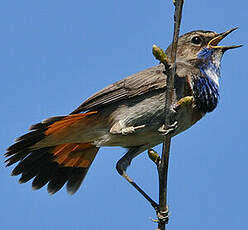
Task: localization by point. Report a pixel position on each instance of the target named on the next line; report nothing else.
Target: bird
(59, 150)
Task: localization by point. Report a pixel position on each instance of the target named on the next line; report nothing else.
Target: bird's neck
(209, 65)
(206, 86)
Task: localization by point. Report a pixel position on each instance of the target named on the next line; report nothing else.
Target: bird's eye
(196, 40)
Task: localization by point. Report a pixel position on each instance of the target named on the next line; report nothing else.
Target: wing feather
(135, 85)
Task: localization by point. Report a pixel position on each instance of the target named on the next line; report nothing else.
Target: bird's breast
(148, 112)
(206, 89)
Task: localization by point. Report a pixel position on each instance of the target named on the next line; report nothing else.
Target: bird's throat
(206, 88)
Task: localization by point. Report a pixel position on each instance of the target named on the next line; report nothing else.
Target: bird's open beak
(215, 41)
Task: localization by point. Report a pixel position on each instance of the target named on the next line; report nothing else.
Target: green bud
(153, 155)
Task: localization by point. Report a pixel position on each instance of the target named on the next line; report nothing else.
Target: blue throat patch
(205, 89)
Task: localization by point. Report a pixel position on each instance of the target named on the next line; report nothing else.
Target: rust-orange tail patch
(55, 165)
(75, 155)
(67, 121)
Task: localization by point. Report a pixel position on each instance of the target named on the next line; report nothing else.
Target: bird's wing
(137, 84)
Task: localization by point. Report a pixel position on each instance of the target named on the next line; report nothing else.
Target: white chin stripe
(213, 75)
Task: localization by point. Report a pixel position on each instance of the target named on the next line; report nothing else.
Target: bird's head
(201, 45)
(201, 50)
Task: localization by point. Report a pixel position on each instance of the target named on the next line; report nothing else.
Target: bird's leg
(121, 167)
(120, 128)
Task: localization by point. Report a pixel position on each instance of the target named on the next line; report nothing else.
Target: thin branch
(169, 99)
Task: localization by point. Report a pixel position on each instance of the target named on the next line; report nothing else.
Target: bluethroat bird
(128, 113)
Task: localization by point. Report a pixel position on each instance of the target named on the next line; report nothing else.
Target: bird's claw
(168, 130)
(127, 130)
(163, 216)
(173, 111)
(131, 129)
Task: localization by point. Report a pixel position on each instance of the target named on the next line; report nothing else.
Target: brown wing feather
(134, 85)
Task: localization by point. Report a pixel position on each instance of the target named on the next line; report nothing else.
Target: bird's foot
(168, 130)
(120, 128)
(131, 129)
(163, 215)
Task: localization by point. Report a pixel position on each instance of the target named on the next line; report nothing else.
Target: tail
(56, 164)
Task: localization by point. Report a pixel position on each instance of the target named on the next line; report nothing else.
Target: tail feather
(15, 158)
(55, 165)
(45, 123)
(45, 174)
(29, 174)
(28, 162)
(76, 179)
(25, 141)
(59, 179)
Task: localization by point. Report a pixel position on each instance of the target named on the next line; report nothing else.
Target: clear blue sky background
(55, 54)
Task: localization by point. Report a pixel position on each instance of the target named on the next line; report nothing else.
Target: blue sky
(55, 54)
